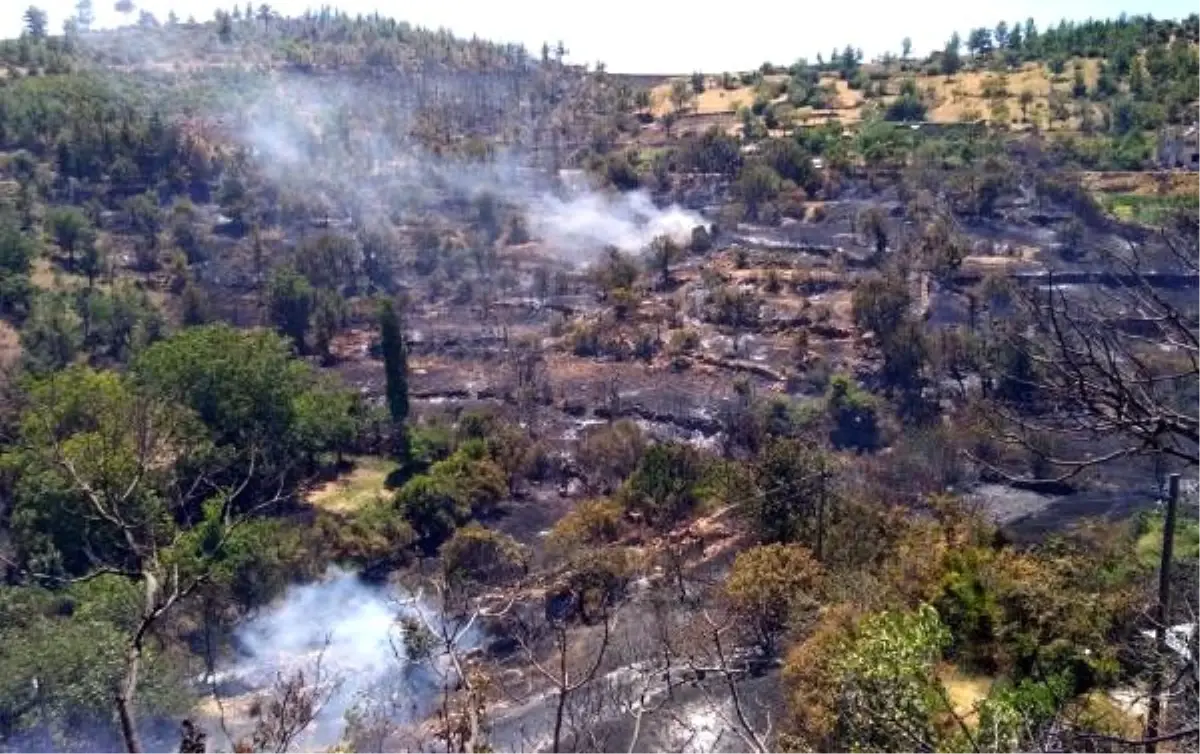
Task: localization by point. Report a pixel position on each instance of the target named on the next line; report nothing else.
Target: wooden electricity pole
(821, 513)
(1162, 616)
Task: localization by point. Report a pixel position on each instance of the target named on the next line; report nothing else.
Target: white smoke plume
(589, 221)
(354, 629)
(575, 220)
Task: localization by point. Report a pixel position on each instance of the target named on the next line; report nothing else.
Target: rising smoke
(351, 626)
(353, 629)
(391, 175)
(587, 221)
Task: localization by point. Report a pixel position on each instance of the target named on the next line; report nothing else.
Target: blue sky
(669, 36)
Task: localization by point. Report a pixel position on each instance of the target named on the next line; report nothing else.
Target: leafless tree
(530, 385)
(568, 666)
(615, 679)
(461, 713)
(282, 713)
(292, 705)
(718, 656)
(1113, 365)
(632, 685)
(686, 660)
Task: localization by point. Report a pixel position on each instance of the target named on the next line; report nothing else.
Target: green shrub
(685, 340)
(433, 507)
(853, 412)
(376, 536)
(429, 443)
(905, 108)
(663, 487)
(591, 523)
(481, 555)
(477, 480)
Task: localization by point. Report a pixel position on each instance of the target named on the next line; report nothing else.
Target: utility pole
(821, 513)
(1163, 614)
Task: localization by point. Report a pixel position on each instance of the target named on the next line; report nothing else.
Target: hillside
(963, 97)
(363, 388)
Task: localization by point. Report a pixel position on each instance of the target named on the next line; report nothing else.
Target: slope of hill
(966, 96)
(364, 388)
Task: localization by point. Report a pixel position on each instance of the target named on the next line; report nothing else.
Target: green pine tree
(1137, 79)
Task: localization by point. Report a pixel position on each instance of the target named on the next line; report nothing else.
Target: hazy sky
(670, 36)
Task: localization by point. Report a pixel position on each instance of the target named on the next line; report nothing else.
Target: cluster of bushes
(467, 485)
(105, 326)
(662, 484)
(908, 106)
(995, 603)
(710, 152)
(951, 592)
(1133, 151)
(621, 170)
(307, 300)
(600, 339)
(777, 180)
(458, 475)
(105, 467)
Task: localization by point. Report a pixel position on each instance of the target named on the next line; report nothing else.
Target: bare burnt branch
(1115, 361)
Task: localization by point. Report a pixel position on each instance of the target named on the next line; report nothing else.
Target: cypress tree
(290, 303)
(395, 361)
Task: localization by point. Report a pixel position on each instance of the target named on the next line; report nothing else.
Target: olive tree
(105, 483)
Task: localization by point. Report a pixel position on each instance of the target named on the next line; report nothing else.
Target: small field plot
(10, 345)
(965, 691)
(356, 489)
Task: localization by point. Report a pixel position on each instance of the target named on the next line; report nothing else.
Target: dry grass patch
(357, 489)
(965, 691)
(1017, 256)
(714, 98)
(846, 108)
(954, 97)
(10, 345)
(48, 277)
(1121, 712)
(718, 100)
(1117, 713)
(847, 98)
(962, 93)
(1148, 197)
(1142, 183)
